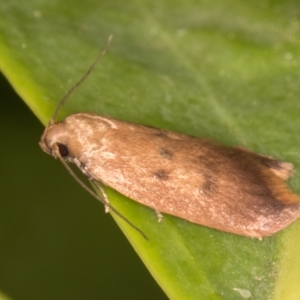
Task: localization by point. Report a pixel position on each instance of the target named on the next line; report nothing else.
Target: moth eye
(63, 150)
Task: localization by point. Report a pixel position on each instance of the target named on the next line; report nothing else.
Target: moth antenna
(116, 211)
(77, 84)
(97, 196)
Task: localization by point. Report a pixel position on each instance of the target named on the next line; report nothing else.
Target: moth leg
(159, 216)
(106, 202)
(103, 199)
(84, 170)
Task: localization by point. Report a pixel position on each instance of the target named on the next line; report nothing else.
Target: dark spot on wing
(209, 186)
(165, 153)
(270, 163)
(161, 174)
(160, 134)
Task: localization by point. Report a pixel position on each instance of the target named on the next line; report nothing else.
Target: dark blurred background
(56, 240)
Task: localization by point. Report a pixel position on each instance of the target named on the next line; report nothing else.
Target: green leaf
(3, 296)
(224, 69)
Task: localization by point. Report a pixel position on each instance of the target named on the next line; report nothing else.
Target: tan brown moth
(196, 179)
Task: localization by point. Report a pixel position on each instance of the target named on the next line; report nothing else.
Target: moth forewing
(229, 189)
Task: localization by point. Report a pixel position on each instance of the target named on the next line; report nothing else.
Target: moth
(199, 180)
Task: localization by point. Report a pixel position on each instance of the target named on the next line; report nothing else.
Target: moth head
(54, 140)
